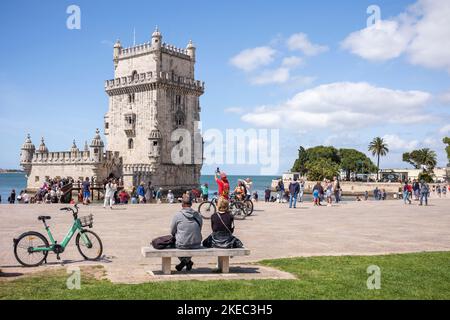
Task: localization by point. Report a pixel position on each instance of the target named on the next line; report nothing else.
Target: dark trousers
(185, 260)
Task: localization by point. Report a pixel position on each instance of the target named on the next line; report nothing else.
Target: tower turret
(191, 50)
(116, 52)
(156, 39)
(96, 147)
(42, 147)
(155, 143)
(26, 155)
(74, 150)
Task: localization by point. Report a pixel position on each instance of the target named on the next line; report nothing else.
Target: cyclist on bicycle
(247, 183)
(240, 191)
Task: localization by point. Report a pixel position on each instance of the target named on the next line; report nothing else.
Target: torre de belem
(153, 93)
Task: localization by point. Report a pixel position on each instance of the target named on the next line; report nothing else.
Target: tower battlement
(113, 86)
(70, 157)
(147, 47)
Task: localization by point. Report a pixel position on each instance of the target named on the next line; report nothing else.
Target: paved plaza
(273, 231)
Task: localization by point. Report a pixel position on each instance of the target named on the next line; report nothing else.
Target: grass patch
(403, 276)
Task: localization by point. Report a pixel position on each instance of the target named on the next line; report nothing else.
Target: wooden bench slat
(150, 252)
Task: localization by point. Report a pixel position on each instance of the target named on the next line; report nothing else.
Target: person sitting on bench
(186, 227)
(222, 225)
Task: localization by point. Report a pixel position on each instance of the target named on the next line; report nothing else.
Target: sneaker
(189, 265)
(180, 266)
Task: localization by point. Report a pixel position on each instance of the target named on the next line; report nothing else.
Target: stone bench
(223, 255)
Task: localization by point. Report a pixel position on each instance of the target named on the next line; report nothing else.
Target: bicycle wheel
(91, 251)
(236, 210)
(23, 245)
(248, 207)
(207, 209)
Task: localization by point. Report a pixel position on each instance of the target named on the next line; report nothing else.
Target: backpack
(164, 242)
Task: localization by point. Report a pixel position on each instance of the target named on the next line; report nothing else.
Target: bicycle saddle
(44, 218)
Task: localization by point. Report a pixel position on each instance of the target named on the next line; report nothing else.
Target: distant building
(395, 175)
(153, 92)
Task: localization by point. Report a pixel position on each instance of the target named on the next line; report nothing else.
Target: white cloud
(292, 62)
(251, 59)
(445, 129)
(235, 110)
(422, 33)
(343, 106)
(280, 75)
(445, 97)
(395, 143)
(431, 44)
(300, 41)
(382, 41)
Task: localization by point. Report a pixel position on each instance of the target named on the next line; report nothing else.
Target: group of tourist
(421, 191)
(324, 191)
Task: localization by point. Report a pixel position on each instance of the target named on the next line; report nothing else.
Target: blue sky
(318, 58)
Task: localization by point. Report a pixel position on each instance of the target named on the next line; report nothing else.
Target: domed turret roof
(28, 145)
(43, 148)
(97, 141)
(155, 134)
(117, 44)
(74, 147)
(190, 45)
(156, 33)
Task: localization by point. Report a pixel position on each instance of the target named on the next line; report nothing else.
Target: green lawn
(403, 276)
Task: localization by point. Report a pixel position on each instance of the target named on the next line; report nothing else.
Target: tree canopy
(422, 157)
(446, 140)
(355, 161)
(322, 162)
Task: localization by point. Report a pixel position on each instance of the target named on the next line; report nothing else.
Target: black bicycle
(208, 208)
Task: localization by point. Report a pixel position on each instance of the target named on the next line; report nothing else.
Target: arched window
(130, 143)
(179, 118)
(134, 75)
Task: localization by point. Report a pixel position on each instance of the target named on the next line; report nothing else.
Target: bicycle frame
(76, 227)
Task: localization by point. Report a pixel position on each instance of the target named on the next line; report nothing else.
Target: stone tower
(153, 93)
(26, 156)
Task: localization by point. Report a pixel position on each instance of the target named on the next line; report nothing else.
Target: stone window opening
(131, 98)
(106, 125)
(96, 150)
(36, 179)
(134, 75)
(130, 144)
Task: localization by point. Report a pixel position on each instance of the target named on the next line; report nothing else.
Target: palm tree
(379, 148)
(428, 158)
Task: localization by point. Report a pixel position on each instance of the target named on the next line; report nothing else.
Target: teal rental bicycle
(31, 248)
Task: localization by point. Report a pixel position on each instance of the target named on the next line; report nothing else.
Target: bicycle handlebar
(74, 212)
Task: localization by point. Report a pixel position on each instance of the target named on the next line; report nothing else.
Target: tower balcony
(149, 80)
(130, 124)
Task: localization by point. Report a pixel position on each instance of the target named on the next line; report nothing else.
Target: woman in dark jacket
(222, 220)
(222, 225)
